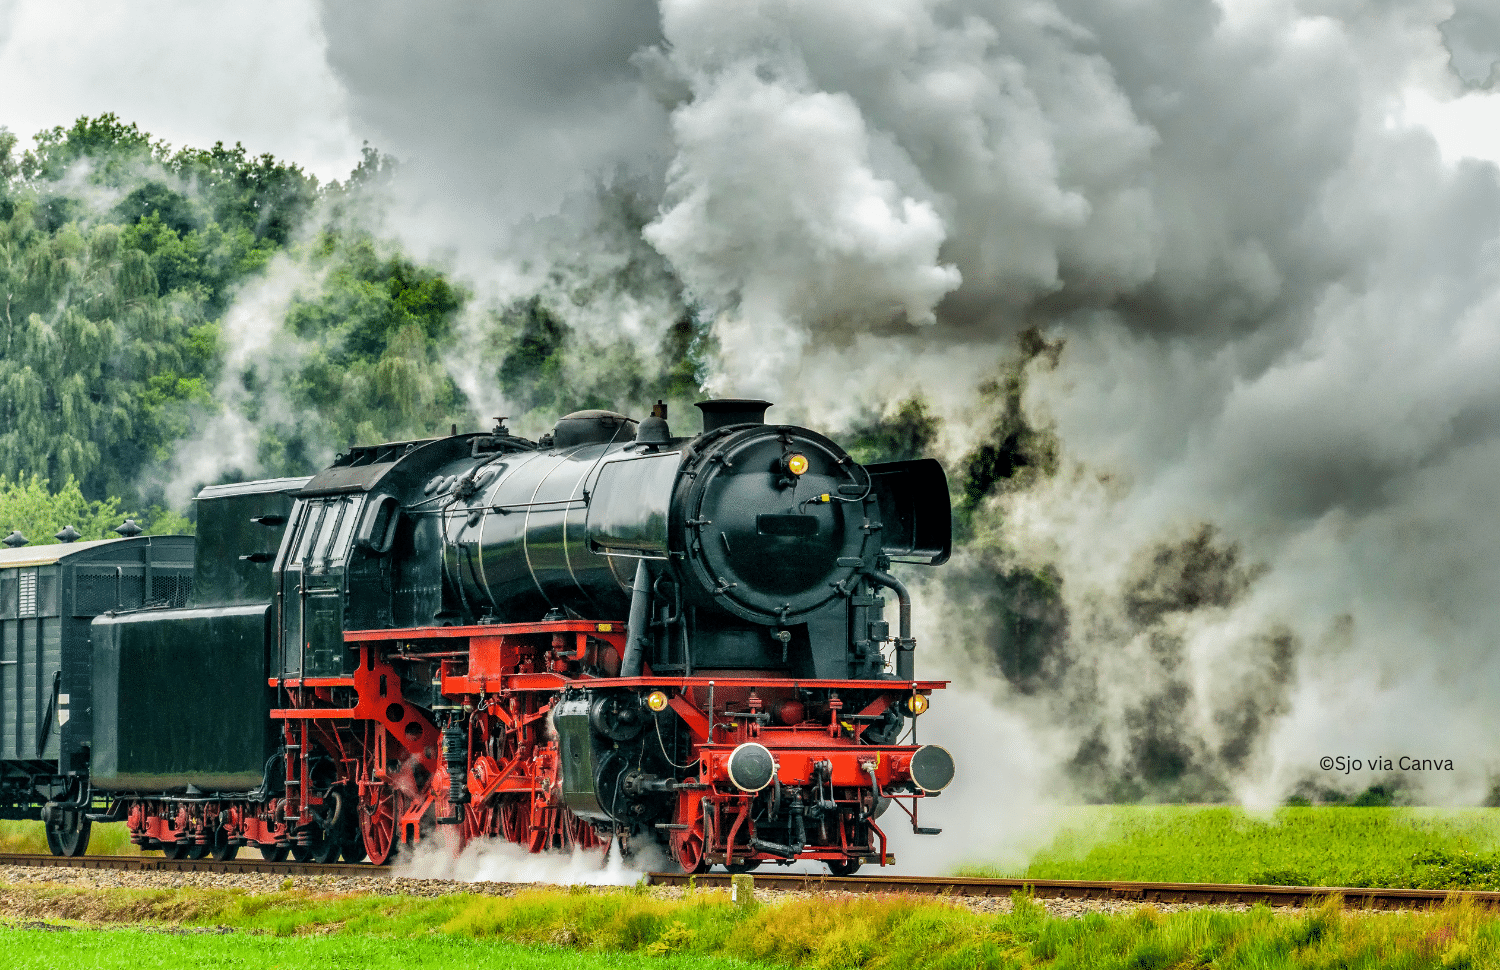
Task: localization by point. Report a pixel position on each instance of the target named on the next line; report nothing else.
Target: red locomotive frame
(502, 681)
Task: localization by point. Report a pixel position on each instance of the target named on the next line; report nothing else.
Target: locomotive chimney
(732, 410)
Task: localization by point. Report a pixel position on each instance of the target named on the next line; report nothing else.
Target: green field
(37, 949)
(629, 929)
(1320, 846)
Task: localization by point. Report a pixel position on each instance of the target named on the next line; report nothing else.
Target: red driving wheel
(689, 845)
(379, 803)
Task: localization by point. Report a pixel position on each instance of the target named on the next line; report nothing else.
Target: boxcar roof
(48, 554)
(254, 488)
(57, 551)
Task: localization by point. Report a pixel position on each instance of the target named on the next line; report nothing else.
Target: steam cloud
(1277, 299)
(1275, 412)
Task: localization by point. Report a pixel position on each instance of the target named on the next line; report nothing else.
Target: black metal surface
(239, 530)
(48, 595)
(519, 545)
(579, 754)
(630, 503)
(780, 576)
(181, 698)
(751, 767)
(931, 767)
(915, 510)
(726, 412)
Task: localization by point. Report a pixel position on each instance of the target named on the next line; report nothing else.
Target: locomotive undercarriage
(524, 733)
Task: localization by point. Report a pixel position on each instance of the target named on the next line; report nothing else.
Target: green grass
(112, 839)
(624, 930)
(1310, 846)
(137, 950)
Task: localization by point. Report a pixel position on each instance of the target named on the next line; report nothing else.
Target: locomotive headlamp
(931, 768)
(916, 704)
(657, 701)
(796, 464)
(751, 767)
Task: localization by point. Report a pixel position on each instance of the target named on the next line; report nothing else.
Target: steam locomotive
(609, 633)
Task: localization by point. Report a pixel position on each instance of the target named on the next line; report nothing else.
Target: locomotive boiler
(608, 633)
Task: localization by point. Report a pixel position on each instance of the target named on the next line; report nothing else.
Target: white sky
(191, 73)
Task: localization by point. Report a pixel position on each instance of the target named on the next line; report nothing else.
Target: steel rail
(1140, 892)
(951, 886)
(157, 863)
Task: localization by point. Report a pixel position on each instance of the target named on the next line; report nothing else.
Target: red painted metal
(383, 753)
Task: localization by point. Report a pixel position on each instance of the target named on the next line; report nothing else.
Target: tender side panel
(180, 698)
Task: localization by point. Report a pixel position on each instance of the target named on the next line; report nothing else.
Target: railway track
(1144, 892)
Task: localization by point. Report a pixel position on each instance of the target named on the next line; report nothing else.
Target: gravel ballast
(17, 902)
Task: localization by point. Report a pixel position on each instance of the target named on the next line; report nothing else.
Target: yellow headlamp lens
(797, 464)
(916, 704)
(657, 701)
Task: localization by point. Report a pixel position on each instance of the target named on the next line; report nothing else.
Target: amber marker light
(797, 464)
(916, 704)
(657, 701)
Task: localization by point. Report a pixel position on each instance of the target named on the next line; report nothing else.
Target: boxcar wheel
(65, 842)
(222, 849)
(354, 851)
(847, 867)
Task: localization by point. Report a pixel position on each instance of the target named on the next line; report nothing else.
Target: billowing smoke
(1224, 509)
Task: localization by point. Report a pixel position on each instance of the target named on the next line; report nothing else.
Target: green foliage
(1012, 454)
(1423, 848)
(110, 339)
(119, 257)
(908, 432)
(109, 345)
(376, 331)
(547, 368)
(115, 151)
(29, 506)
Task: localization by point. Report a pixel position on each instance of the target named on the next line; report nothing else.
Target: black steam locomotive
(610, 632)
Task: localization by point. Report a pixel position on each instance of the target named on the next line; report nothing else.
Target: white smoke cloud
(1277, 293)
(495, 860)
(258, 350)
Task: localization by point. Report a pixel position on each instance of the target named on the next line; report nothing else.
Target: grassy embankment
(628, 929)
(1323, 846)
